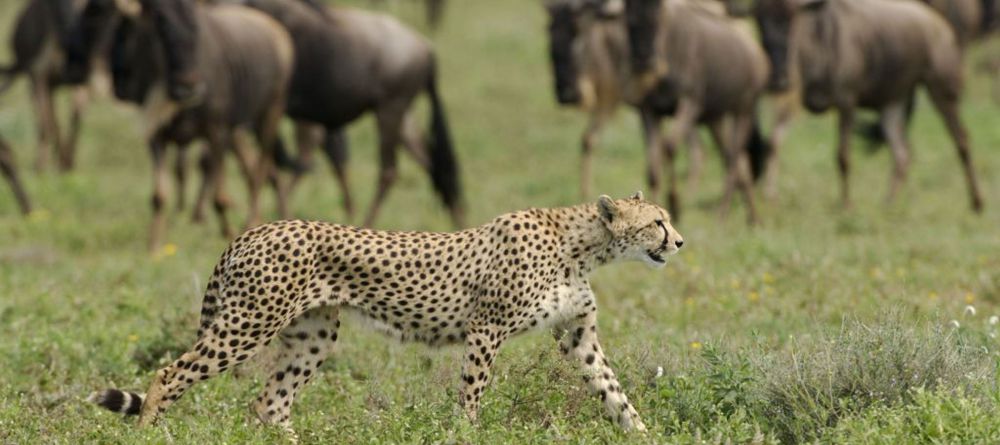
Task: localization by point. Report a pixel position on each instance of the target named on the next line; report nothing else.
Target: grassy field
(821, 325)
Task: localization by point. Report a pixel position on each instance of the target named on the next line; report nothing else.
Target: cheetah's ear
(637, 196)
(607, 208)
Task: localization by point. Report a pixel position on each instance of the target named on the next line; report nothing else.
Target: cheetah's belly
(560, 304)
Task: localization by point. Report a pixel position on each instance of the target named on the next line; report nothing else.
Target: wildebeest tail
(872, 131)
(444, 166)
(116, 400)
(758, 150)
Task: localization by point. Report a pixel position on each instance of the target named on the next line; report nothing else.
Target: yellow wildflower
(969, 297)
(767, 278)
(696, 345)
(754, 296)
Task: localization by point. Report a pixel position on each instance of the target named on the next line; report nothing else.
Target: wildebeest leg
(9, 170)
(947, 105)
(684, 120)
(740, 167)
(651, 134)
(158, 152)
(67, 151)
(390, 119)
(335, 147)
(893, 119)
(219, 140)
(267, 135)
(205, 167)
(435, 9)
(844, 125)
(180, 176)
(307, 137)
(718, 131)
(590, 137)
(784, 112)
(48, 133)
(413, 141)
(697, 161)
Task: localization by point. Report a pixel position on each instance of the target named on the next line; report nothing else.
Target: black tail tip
(118, 401)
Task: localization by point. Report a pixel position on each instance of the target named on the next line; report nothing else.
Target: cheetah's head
(640, 230)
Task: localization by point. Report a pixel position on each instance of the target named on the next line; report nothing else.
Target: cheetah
(524, 270)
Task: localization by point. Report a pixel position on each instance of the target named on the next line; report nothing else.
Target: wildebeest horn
(129, 8)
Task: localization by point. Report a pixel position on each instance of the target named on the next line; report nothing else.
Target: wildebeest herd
(223, 71)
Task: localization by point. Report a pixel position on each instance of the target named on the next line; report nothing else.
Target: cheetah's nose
(679, 243)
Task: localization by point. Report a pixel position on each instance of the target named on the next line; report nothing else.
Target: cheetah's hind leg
(304, 344)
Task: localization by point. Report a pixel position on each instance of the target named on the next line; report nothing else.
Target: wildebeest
(350, 62)
(9, 170)
(588, 48)
(244, 61)
(964, 16)
(872, 54)
(42, 34)
(718, 70)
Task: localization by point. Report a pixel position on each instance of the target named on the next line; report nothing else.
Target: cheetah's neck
(584, 238)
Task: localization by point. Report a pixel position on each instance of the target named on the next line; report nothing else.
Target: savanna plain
(821, 325)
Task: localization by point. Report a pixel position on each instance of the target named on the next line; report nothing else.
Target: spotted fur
(524, 270)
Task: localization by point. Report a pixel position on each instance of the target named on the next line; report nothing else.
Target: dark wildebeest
(244, 60)
(871, 54)
(719, 72)
(350, 62)
(9, 170)
(42, 34)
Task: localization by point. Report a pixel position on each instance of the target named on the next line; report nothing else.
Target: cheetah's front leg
(580, 345)
(481, 347)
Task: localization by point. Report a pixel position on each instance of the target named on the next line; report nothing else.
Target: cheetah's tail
(116, 400)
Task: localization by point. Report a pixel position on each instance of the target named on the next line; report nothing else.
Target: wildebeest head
(562, 36)
(137, 59)
(86, 37)
(814, 49)
(175, 25)
(774, 19)
(642, 18)
(568, 21)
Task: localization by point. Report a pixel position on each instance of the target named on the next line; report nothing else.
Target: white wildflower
(994, 320)
(659, 371)
(970, 310)
(955, 324)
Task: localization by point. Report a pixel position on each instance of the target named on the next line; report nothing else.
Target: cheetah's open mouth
(657, 256)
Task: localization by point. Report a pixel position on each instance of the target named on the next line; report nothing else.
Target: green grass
(808, 328)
